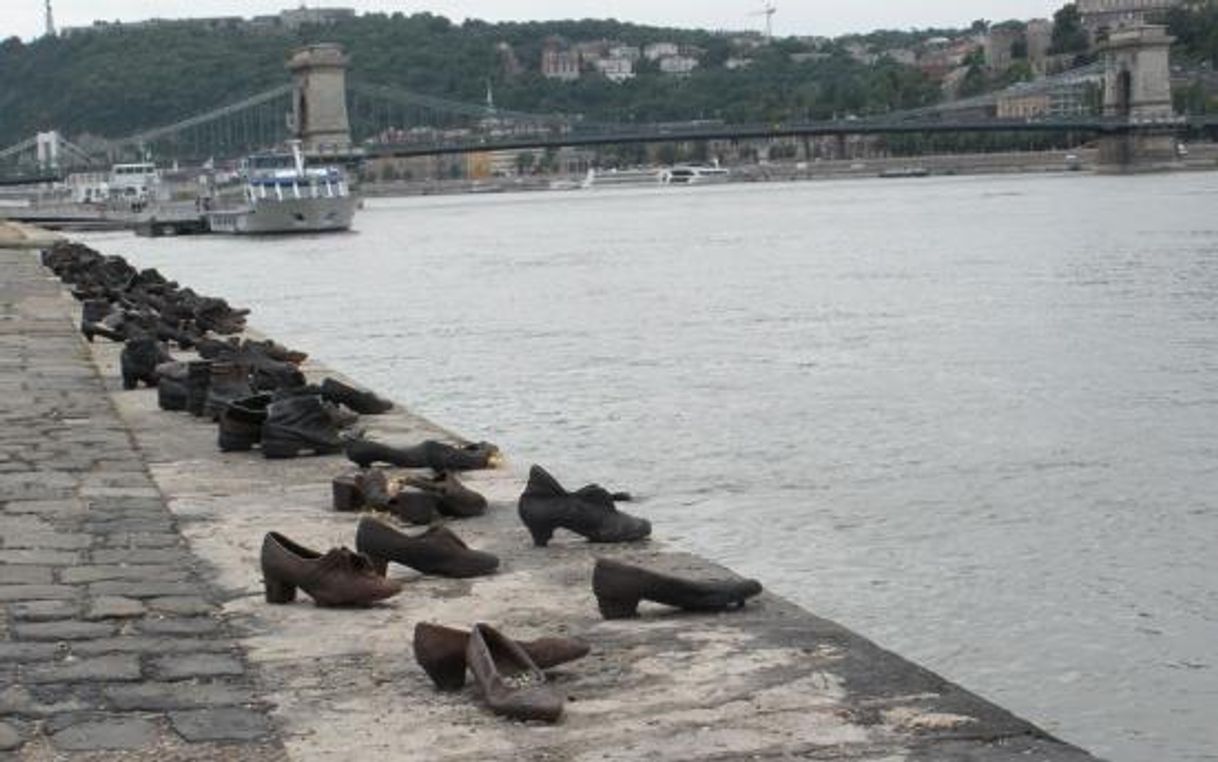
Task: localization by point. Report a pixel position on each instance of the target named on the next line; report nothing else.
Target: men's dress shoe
(430, 454)
(440, 651)
(362, 402)
(298, 424)
(336, 578)
(228, 382)
(139, 361)
(619, 587)
(508, 680)
(453, 498)
(438, 551)
(545, 506)
(241, 423)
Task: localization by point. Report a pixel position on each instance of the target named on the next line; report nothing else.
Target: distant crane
(50, 20)
(769, 11)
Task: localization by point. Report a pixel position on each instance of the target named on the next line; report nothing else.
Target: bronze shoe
(452, 497)
(438, 551)
(507, 679)
(619, 587)
(337, 578)
(440, 651)
(412, 505)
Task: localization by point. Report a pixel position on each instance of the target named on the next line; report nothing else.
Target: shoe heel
(129, 382)
(541, 535)
(348, 498)
(279, 592)
(617, 608)
(88, 335)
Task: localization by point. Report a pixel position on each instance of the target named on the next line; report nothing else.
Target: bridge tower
(319, 98)
(1137, 88)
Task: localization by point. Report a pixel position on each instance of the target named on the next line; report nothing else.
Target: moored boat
(277, 193)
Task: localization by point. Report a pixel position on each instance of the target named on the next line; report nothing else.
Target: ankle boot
(198, 378)
(171, 385)
(337, 578)
(438, 551)
(362, 402)
(241, 423)
(440, 651)
(227, 382)
(139, 361)
(545, 506)
(619, 587)
(508, 680)
(430, 454)
(297, 424)
(452, 497)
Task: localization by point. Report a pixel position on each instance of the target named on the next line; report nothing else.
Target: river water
(973, 419)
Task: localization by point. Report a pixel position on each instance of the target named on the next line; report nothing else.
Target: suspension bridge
(358, 120)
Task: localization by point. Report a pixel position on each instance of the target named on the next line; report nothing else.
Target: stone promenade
(110, 638)
(134, 624)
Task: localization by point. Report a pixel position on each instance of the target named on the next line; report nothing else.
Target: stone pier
(133, 624)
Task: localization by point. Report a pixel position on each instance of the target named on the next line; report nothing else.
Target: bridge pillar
(319, 98)
(1137, 88)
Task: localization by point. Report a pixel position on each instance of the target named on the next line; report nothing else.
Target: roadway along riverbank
(134, 615)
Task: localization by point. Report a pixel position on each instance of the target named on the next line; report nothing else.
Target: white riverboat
(693, 174)
(621, 178)
(277, 193)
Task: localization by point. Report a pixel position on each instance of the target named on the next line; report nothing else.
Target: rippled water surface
(973, 419)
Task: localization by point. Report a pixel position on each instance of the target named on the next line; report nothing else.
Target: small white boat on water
(277, 193)
(694, 174)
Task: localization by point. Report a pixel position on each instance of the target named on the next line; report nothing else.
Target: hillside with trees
(120, 79)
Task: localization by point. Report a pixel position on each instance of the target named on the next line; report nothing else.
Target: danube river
(973, 419)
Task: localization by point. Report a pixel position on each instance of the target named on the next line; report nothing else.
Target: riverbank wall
(1200, 158)
(135, 624)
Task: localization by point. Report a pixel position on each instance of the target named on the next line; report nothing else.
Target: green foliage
(119, 81)
(1069, 35)
(1195, 28)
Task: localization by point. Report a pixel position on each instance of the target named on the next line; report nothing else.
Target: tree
(1069, 35)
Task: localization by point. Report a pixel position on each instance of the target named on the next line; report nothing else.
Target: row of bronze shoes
(260, 399)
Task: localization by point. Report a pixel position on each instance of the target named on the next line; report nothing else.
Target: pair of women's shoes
(508, 673)
(342, 577)
(414, 499)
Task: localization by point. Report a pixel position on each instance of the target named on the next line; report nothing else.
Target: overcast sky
(24, 18)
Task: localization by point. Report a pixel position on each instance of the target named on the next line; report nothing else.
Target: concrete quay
(134, 624)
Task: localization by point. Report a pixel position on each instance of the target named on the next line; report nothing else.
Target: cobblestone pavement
(111, 643)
